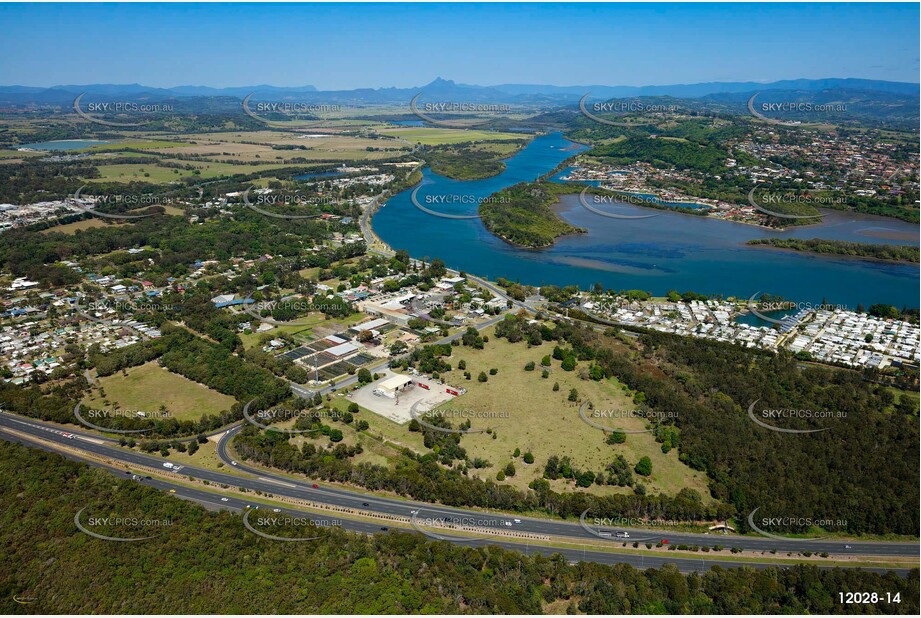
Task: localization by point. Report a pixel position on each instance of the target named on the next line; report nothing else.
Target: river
(658, 254)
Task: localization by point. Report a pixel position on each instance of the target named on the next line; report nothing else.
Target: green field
(138, 144)
(544, 422)
(144, 172)
(76, 226)
(433, 136)
(148, 386)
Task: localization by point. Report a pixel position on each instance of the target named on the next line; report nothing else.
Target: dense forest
(663, 152)
(206, 562)
(891, 253)
(522, 215)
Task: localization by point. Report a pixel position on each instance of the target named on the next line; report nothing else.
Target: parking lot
(398, 409)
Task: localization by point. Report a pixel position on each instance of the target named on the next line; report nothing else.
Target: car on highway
(172, 491)
(233, 463)
(847, 547)
(276, 510)
(365, 504)
(69, 436)
(664, 541)
(517, 521)
(384, 528)
(315, 486)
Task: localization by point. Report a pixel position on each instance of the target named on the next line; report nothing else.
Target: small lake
(669, 251)
(64, 144)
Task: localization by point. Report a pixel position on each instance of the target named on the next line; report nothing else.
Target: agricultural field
(144, 172)
(434, 136)
(138, 144)
(149, 386)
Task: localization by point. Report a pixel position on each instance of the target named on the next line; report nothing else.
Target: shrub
(643, 466)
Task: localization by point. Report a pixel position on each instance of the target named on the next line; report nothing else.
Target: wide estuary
(657, 254)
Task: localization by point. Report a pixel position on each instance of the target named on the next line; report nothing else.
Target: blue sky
(339, 46)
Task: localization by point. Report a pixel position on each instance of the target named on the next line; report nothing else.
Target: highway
(237, 504)
(279, 485)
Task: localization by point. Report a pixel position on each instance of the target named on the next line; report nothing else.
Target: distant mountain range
(441, 90)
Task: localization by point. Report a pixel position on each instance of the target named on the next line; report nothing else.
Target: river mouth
(670, 251)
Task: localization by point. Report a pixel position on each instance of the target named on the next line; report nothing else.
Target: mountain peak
(441, 82)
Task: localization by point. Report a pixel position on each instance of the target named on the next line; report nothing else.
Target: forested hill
(205, 562)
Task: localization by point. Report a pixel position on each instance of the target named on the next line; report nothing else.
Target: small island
(523, 215)
(472, 160)
(886, 253)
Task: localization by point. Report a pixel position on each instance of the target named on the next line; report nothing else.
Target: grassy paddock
(148, 386)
